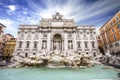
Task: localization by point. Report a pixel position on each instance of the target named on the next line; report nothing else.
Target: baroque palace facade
(110, 34)
(56, 34)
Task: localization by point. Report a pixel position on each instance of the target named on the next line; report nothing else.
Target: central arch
(57, 42)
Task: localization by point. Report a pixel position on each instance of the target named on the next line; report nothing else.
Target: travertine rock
(55, 59)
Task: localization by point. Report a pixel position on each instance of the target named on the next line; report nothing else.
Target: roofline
(9, 34)
(109, 20)
(2, 25)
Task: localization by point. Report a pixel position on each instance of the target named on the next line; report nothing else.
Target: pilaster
(65, 41)
(40, 41)
(74, 41)
(48, 40)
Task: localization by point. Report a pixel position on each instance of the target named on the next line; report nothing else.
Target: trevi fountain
(43, 52)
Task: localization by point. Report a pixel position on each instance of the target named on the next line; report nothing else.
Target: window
(26, 54)
(116, 44)
(111, 23)
(35, 44)
(93, 44)
(106, 27)
(86, 44)
(20, 44)
(34, 53)
(110, 45)
(105, 47)
(118, 26)
(114, 36)
(107, 33)
(112, 30)
(27, 44)
(117, 18)
(78, 44)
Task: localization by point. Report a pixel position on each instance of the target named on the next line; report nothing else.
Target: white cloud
(10, 26)
(12, 7)
(73, 9)
(25, 12)
(76, 9)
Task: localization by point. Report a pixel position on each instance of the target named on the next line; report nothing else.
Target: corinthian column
(48, 41)
(74, 41)
(65, 42)
(40, 42)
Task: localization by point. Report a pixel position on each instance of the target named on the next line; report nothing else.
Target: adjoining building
(110, 34)
(2, 28)
(56, 34)
(100, 45)
(8, 36)
(9, 48)
(2, 38)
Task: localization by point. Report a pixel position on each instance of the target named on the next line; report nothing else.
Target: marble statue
(70, 45)
(57, 46)
(44, 45)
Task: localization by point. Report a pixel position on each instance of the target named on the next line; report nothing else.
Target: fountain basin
(96, 72)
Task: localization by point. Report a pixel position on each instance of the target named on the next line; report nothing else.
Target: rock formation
(110, 59)
(55, 59)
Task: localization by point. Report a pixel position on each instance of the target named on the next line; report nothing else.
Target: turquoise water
(96, 72)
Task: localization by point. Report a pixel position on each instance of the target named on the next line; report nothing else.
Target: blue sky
(85, 12)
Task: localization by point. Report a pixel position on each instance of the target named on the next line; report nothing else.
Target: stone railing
(19, 49)
(27, 49)
(86, 49)
(79, 49)
(35, 49)
(94, 49)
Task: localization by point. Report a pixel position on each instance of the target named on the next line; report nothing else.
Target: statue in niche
(29, 37)
(44, 45)
(36, 37)
(57, 46)
(70, 45)
(85, 37)
(44, 35)
(78, 44)
(91, 37)
(21, 37)
(78, 36)
(70, 35)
